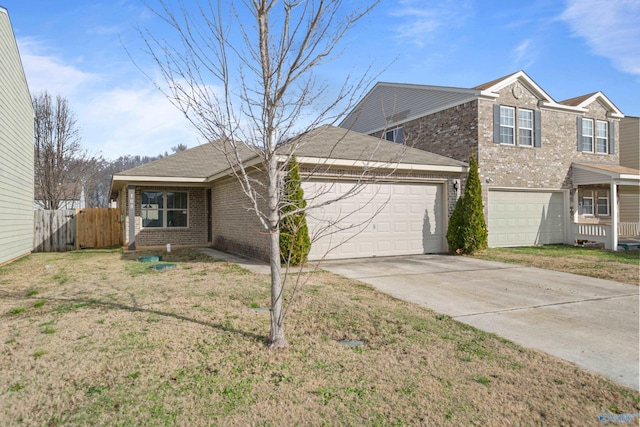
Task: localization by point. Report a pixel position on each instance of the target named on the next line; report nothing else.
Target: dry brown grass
(622, 266)
(96, 338)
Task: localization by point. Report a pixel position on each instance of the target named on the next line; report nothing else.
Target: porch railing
(593, 233)
(629, 229)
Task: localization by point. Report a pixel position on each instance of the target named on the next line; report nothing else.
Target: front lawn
(621, 266)
(97, 338)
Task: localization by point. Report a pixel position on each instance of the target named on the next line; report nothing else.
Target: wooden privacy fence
(67, 230)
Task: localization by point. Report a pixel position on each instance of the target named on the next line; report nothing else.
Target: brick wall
(194, 234)
(452, 132)
(236, 228)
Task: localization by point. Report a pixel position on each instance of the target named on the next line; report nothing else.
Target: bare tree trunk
(276, 335)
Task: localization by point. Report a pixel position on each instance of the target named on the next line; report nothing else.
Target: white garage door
(524, 218)
(380, 220)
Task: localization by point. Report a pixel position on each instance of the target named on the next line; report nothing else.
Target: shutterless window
(602, 203)
(586, 203)
(394, 135)
(164, 209)
(525, 127)
(602, 137)
(507, 125)
(587, 135)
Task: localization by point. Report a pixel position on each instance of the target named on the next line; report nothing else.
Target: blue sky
(76, 48)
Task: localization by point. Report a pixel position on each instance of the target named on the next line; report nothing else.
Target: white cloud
(133, 121)
(422, 19)
(611, 28)
(524, 55)
(46, 72)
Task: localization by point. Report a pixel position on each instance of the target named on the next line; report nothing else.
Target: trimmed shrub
(294, 234)
(467, 232)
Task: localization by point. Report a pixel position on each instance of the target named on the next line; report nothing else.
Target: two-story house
(16, 150)
(550, 170)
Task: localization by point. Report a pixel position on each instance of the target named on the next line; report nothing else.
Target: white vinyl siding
(525, 218)
(16, 148)
(382, 219)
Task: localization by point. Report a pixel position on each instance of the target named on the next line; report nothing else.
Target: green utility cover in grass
(162, 266)
(150, 258)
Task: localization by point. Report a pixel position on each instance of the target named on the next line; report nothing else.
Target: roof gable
(491, 89)
(584, 101)
(389, 104)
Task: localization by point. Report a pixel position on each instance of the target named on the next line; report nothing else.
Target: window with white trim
(602, 137)
(507, 125)
(394, 135)
(587, 135)
(593, 203)
(525, 127)
(602, 203)
(164, 209)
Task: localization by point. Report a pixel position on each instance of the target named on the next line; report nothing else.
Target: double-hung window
(164, 209)
(507, 125)
(594, 202)
(602, 207)
(587, 135)
(602, 137)
(394, 135)
(525, 127)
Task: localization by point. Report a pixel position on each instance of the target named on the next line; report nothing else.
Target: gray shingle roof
(338, 143)
(328, 142)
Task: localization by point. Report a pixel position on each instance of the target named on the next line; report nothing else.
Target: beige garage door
(524, 218)
(382, 219)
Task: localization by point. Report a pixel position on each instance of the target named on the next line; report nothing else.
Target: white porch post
(614, 216)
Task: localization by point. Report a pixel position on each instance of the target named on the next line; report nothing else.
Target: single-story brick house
(193, 198)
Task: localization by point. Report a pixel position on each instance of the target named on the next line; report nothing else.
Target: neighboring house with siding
(630, 158)
(550, 170)
(16, 149)
(72, 196)
(193, 198)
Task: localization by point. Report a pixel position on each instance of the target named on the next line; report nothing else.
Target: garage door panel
(409, 219)
(522, 218)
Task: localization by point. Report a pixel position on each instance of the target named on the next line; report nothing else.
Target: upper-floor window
(525, 131)
(507, 125)
(587, 135)
(394, 135)
(602, 137)
(525, 127)
(164, 209)
(596, 136)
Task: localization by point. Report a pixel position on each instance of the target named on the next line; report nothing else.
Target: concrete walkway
(591, 322)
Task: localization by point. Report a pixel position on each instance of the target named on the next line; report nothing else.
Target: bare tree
(61, 164)
(245, 77)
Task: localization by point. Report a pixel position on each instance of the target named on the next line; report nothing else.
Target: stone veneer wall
(194, 234)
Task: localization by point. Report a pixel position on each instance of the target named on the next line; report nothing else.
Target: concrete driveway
(591, 322)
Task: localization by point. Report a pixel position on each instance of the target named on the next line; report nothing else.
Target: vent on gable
(398, 116)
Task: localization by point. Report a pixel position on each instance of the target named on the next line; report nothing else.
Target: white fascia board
(154, 179)
(556, 106)
(528, 189)
(229, 172)
(426, 113)
(376, 165)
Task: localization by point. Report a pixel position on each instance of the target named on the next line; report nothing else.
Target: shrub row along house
(550, 172)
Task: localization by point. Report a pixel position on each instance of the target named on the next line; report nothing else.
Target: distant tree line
(63, 166)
